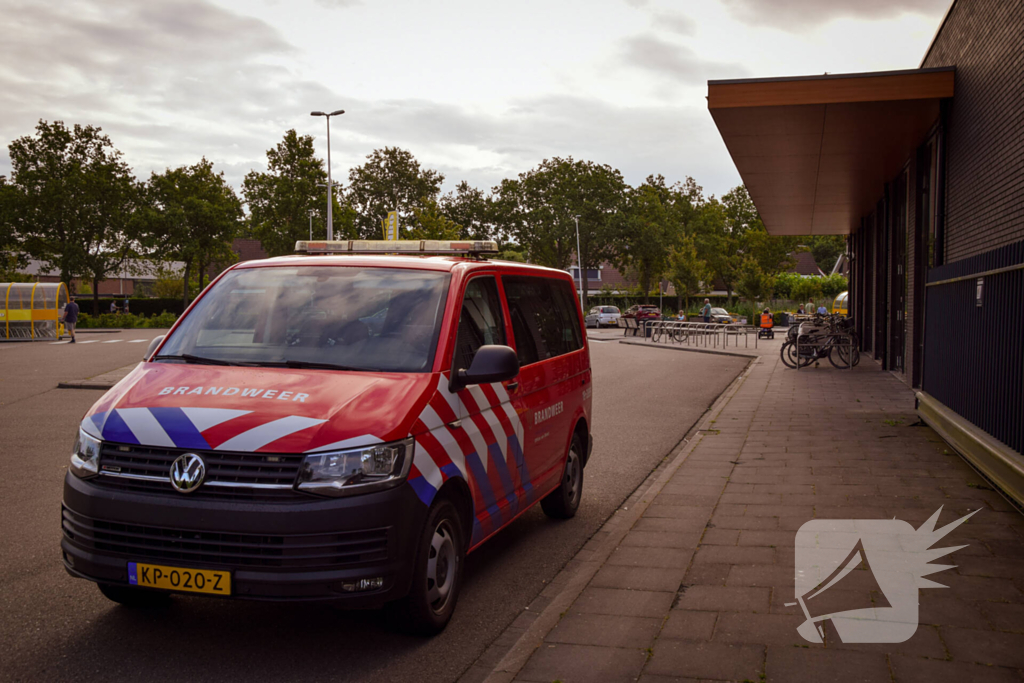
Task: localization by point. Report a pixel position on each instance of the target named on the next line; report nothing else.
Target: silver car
(601, 316)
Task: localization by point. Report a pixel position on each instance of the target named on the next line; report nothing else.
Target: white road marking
(60, 342)
(113, 341)
(91, 341)
(136, 341)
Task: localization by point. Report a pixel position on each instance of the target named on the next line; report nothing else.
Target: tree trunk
(185, 279)
(95, 295)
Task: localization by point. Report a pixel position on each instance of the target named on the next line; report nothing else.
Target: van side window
(480, 321)
(544, 320)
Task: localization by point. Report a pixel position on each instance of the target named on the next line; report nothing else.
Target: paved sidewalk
(690, 580)
(105, 381)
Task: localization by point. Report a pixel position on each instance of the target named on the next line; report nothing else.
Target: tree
(647, 238)
(752, 283)
(716, 245)
(429, 223)
(390, 180)
(193, 215)
(686, 271)
(72, 201)
(280, 201)
(471, 210)
(805, 289)
(826, 250)
(539, 210)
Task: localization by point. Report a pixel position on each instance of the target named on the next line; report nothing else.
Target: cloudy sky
(478, 89)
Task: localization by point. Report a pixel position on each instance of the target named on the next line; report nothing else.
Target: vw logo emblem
(187, 472)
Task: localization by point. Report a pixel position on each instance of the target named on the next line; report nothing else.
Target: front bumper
(306, 549)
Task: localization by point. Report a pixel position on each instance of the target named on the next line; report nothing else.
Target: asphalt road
(57, 628)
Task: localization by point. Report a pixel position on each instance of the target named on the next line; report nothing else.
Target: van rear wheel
(437, 574)
(563, 502)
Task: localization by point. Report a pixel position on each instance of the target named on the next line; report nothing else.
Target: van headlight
(85, 458)
(356, 470)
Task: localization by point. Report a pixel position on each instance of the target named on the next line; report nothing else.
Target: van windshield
(357, 318)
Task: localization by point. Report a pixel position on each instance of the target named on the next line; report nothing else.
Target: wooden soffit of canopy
(816, 151)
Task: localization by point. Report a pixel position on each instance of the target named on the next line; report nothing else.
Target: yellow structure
(840, 305)
(32, 310)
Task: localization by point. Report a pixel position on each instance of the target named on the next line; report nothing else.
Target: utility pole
(330, 184)
(579, 262)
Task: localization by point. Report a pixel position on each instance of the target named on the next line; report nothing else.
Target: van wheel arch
(582, 430)
(457, 491)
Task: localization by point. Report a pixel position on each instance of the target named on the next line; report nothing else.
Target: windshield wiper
(287, 363)
(189, 358)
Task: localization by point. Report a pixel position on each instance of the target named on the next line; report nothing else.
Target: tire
(139, 598)
(841, 354)
(440, 554)
(563, 502)
(788, 354)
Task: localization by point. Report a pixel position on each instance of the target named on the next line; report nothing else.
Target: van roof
(441, 263)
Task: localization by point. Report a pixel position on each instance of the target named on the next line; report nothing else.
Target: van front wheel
(437, 574)
(563, 502)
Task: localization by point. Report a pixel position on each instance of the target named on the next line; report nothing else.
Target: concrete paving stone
(655, 678)
(924, 643)
(806, 511)
(833, 511)
(707, 574)
(734, 555)
(996, 567)
(730, 510)
(724, 599)
(735, 487)
(639, 578)
(605, 630)
(907, 669)
(583, 664)
(764, 575)
(759, 629)
(689, 487)
(625, 603)
(1004, 616)
(706, 660)
(744, 522)
(664, 558)
(784, 488)
(669, 508)
(984, 647)
(689, 625)
(751, 499)
(720, 537)
(777, 539)
(689, 499)
(788, 664)
(943, 610)
(983, 587)
(661, 539)
(675, 524)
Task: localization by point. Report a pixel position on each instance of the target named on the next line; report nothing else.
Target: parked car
(600, 316)
(335, 427)
(642, 312)
(722, 316)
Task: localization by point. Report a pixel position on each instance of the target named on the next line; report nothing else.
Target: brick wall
(984, 39)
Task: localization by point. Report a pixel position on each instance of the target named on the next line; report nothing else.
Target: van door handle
(512, 386)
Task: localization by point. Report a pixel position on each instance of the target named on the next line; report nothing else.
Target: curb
(575, 577)
(105, 381)
(691, 350)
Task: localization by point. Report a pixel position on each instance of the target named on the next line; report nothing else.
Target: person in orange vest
(767, 323)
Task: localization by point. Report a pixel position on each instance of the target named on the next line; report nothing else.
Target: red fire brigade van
(341, 425)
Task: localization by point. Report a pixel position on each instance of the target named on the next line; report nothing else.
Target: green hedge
(125, 320)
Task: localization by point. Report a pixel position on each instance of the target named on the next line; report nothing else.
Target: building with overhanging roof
(923, 170)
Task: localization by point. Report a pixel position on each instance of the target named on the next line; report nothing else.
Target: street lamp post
(330, 185)
(311, 212)
(579, 261)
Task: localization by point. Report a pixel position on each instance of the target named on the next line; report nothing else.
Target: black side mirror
(492, 363)
(151, 349)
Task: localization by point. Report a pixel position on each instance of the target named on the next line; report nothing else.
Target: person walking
(70, 317)
(706, 311)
